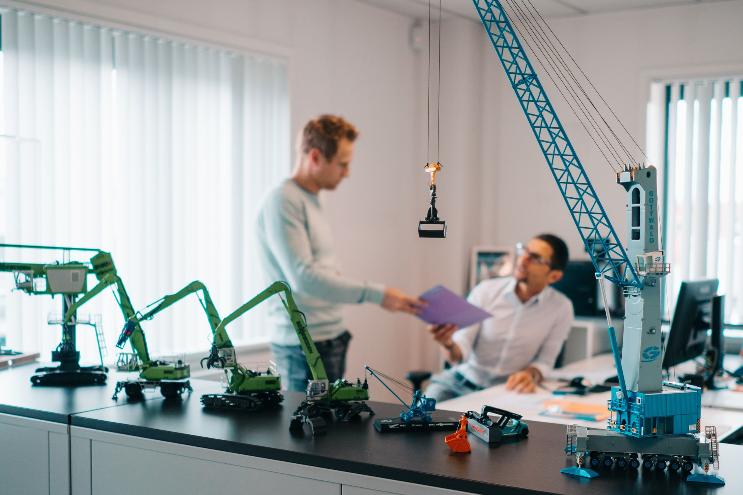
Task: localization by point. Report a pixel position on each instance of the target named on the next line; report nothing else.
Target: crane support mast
(67, 279)
(660, 424)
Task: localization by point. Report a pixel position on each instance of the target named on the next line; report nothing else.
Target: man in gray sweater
(295, 245)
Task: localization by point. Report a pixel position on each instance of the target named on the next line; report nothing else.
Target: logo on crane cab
(650, 354)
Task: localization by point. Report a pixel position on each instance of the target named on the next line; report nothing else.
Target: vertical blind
(696, 130)
(156, 150)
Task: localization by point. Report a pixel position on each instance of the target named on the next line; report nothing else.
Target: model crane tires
(133, 391)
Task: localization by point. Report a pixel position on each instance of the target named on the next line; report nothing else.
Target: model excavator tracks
(240, 402)
(317, 414)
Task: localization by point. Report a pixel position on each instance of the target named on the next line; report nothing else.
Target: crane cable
(438, 89)
(554, 50)
(547, 71)
(541, 42)
(394, 380)
(543, 47)
(589, 81)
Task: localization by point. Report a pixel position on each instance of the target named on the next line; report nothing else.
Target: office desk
(175, 447)
(34, 431)
(595, 370)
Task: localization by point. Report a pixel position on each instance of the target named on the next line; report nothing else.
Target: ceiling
(550, 8)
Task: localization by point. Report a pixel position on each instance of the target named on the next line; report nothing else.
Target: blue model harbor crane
(651, 421)
(415, 416)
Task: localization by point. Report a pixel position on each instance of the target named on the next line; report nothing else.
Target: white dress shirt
(516, 336)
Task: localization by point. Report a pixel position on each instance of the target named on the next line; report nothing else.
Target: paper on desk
(444, 306)
(562, 408)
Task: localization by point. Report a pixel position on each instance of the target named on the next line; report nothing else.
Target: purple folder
(444, 306)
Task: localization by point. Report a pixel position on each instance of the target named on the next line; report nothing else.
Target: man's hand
(397, 300)
(524, 381)
(443, 335)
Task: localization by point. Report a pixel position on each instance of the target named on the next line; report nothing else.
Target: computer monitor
(579, 284)
(695, 314)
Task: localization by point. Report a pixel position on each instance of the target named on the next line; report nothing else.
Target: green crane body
(152, 373)
(244, 383)
(69, 280)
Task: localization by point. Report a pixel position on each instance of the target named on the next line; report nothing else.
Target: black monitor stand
(715, 352)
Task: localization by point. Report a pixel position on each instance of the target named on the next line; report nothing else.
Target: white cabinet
(34, 456)
(105, 463)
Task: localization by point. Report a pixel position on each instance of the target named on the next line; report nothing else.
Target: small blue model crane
(416, 415)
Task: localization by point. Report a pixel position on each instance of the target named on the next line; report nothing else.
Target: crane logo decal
(650, 354)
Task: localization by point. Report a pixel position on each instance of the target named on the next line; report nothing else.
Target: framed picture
(490, 262)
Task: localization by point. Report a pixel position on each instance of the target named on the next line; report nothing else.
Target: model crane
(414, 416)
(67, 279)
(656, 421)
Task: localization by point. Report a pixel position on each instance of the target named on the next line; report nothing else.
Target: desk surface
(528, 466)
(19, 398)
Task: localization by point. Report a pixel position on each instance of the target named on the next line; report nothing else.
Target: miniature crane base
(56, 376)
(242, 402)
(706, 479)
(579, 472)
(397, 425)
(606, 448)
(317, 414)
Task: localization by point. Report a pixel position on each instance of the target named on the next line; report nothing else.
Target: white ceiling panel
(596, 6)
(548, 8)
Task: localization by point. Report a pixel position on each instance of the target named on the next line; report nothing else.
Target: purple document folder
(444, 306)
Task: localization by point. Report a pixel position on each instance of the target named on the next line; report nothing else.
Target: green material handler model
(247, 390)
(171, 377)
(251, 390)
(152, 373)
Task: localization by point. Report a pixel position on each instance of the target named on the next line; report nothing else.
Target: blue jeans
(292, 365)
(449, 384)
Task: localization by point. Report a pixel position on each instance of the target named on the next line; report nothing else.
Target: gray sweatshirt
(295, 245)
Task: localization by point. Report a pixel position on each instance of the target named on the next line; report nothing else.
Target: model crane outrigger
(660, 425)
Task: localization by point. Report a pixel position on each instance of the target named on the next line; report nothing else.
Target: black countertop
(56, 404)
(529, 466)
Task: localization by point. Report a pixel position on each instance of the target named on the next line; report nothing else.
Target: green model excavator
(171, 385)
(171, 376)
(250, 390)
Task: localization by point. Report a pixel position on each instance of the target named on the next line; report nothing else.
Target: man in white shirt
(521, 341)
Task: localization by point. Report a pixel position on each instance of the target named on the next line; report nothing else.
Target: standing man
(295, 245)
(521, 341)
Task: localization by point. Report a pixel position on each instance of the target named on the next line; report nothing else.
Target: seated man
(521, 341)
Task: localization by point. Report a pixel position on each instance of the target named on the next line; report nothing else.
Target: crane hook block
(432, 226)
